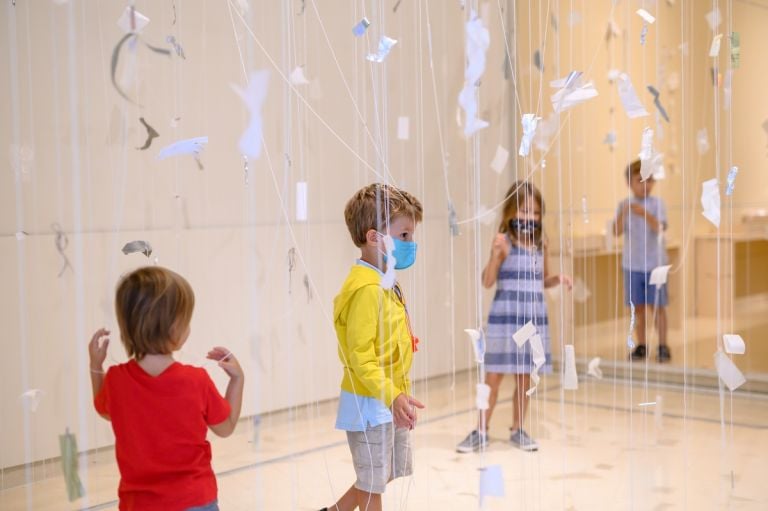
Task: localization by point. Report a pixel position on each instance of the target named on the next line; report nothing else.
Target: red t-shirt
(160, 424)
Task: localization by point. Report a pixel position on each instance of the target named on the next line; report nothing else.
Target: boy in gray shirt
(642, 219)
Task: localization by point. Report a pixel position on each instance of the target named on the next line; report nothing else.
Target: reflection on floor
(693, 343)
(599, 449)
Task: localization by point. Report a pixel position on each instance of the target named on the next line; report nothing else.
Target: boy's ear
(371, 237)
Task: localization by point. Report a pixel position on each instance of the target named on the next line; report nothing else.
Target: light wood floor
(600, 450)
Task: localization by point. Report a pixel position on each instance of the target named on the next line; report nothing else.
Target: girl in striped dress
(518, 266)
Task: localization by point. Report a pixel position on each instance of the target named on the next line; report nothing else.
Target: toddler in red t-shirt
(161, 409)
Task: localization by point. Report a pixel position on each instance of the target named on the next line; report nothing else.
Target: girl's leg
(493, 380)
(520, 400)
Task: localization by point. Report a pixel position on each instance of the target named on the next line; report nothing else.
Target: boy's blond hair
(154, 307)
(374, 206)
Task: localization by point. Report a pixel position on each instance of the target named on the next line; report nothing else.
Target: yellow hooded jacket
(374, 339)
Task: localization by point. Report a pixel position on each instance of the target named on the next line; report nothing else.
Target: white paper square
(500, 160)
(301, 201)
(728, 372)
(734, 344)
(403, 128)
(525, 333)
(659, 275)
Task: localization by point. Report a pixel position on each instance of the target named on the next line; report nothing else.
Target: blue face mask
(405, 253)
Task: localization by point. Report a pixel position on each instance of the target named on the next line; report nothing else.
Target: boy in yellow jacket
(376, 344)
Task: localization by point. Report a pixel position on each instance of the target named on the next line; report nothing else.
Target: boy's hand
(500, 247)
(403, 412)
(638, 209)
(97, 351)
(227, 361)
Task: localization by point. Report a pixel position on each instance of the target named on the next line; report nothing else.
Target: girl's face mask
(525, 229)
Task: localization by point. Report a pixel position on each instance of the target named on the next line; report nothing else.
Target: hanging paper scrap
(138, 246)
(250, 143)
(151, 135)
(385, 46)
(478, 39)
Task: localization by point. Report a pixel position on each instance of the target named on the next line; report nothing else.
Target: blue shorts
(640, 292)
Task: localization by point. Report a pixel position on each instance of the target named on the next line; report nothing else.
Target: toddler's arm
(97, 352)
(234, 394)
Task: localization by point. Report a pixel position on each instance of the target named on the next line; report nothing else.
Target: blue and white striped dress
(519, 299)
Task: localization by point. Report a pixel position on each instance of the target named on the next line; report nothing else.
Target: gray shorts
(380, 454)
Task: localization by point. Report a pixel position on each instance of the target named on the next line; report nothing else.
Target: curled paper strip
(138, 246)
(385, 46)
(593, 368)
(478, 40)
(539, 358)
(253, 96)
(477, 339)
(529, 130)
(62, 241)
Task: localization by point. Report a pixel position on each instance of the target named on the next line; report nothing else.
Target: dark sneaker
(473, 442)
(664, 355)
(639, 353)
(521, 440)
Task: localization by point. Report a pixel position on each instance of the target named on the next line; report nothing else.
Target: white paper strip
(524, 334)
(570, 378)
(728, 372)
(301, 201)
(403, 128)
(714, 49)
(477, 339)
(629, 99)
(646, 16)
(734, 344)
(500, 160)
(593, 368)
(659, 275)
(538, 357)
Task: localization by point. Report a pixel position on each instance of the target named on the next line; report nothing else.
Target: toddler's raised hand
(227, 361)
(97, 351)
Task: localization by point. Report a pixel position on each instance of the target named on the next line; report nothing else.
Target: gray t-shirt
(643, 248)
